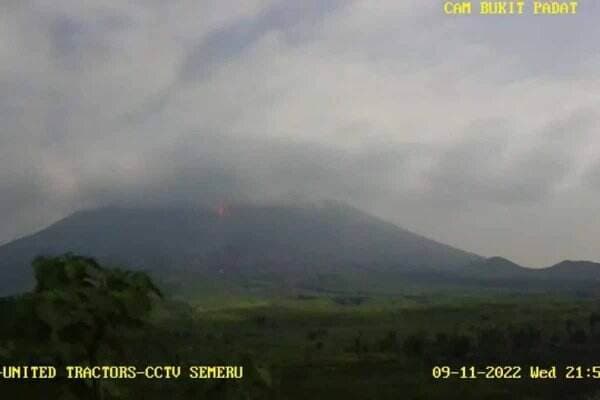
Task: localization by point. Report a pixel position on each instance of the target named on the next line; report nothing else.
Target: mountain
(574, 271)
(329, 247)
(292, 245)
(495, 267)
(502, 273)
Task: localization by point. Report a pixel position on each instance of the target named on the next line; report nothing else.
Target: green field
(385, 347)
(342, 345)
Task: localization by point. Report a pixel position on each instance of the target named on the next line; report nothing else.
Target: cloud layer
(479, 132)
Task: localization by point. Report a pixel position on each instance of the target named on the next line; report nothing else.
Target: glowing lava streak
(223, 211)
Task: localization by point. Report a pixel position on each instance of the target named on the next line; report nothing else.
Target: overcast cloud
(479, 132)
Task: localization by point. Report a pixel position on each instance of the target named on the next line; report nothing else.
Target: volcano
(289, 243)
(329, 246)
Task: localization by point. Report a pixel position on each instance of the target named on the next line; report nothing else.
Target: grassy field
(360, 347)
(355, 346)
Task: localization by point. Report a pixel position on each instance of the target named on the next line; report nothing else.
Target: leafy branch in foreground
(88, 307)
(80, 313)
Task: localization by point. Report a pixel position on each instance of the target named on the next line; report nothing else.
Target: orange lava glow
(223, 211)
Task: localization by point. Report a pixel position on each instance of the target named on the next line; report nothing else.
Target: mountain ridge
(285, 245)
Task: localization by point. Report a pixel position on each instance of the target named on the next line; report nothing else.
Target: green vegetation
(317, 345)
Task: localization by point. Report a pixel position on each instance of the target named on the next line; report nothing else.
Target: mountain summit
(329, 247)
(285, 241)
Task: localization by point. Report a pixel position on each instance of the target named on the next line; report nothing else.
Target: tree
(594, 320)
(414, 345)
(492, 343)
(89, 308)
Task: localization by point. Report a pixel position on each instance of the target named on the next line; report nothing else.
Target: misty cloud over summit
(478, 132)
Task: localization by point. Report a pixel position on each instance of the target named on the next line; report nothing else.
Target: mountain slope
(574, 271)
(285, 244)
(496, 268)
(330, 247)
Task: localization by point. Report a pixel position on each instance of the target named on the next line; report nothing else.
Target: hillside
(330, 247)
(291, 245)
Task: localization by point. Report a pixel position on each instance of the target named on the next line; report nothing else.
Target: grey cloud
(592, 175)
(538, 46)
(19, 193)
(78, 43)
(483, 167)
(229, 169)
(450, 127)
(69, 35)
(220, 46)
(225, 43)
(22, 195)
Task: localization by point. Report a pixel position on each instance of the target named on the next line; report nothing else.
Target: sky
(479, 132)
